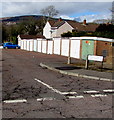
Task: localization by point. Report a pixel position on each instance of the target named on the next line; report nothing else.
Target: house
(54, 28)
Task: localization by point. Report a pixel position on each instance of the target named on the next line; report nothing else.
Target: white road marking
(55, 90)
(64, 93)
(98, 95)
(15, 101)
(71, 97)
(92, 91)
(43, 99)
(109, 90)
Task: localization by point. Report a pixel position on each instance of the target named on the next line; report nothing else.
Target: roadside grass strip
(15, 101)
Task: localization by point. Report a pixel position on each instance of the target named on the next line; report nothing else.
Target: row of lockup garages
(59, 46)
(75, 47)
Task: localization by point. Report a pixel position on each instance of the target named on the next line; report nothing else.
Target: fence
(59, 46)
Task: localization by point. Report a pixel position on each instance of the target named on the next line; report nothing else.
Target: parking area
(30, 91)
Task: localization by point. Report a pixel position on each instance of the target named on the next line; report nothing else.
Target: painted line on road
(108, 90)
(65, 93)
(15, 101)
(73, 97)
(98, 95)
(43, 99)
(92, 91)
(48, 86)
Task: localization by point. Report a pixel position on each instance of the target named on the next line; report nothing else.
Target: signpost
(94, 58)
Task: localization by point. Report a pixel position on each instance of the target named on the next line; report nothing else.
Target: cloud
(66, 17)
(91, 18)
(57, 0)
(67, 10)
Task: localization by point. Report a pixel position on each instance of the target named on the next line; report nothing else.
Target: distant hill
(19, 18)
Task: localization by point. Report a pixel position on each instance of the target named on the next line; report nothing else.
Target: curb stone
(75, 74)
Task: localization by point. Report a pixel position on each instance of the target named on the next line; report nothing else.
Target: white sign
(95, 58)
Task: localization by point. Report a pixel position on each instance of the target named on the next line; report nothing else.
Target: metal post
(87, 63)
(101, 66)
(69, 58)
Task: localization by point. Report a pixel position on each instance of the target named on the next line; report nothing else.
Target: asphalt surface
(30, 91)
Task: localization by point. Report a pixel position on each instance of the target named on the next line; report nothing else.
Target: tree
(49, 11)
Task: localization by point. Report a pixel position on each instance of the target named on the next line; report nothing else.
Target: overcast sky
(89, 10)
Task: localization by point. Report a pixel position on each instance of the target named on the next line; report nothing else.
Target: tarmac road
(30, 91)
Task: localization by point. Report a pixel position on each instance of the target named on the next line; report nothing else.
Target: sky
(67, 9)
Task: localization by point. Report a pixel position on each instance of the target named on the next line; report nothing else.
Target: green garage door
(87, 48)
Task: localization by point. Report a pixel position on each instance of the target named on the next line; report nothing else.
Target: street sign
(95, 58)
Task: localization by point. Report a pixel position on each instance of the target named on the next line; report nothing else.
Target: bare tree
(112, 10)
(49, 11)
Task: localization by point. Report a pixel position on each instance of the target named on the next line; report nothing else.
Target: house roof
(51, 22)
(83, 27)
(56, 23)
(31, 36)
(75, 25)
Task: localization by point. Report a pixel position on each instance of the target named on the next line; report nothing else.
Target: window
(112, 44)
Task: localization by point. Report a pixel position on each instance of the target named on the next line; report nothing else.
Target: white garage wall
(31, 45)
(53, 47)
(44, 46)
(50, 47)
(39, 45)
(24, 47)
(75, 49)
(27, 45)
(35, 45)
(65, 47)
(57, 46)
(22, 44)
(19, 42)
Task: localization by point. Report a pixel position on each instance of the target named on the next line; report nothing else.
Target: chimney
(107, 23)
(84, 22)
(60, 19)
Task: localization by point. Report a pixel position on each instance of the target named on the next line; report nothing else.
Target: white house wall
(62, 29)
(46, 31)
(65, 47)
(75, 49)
